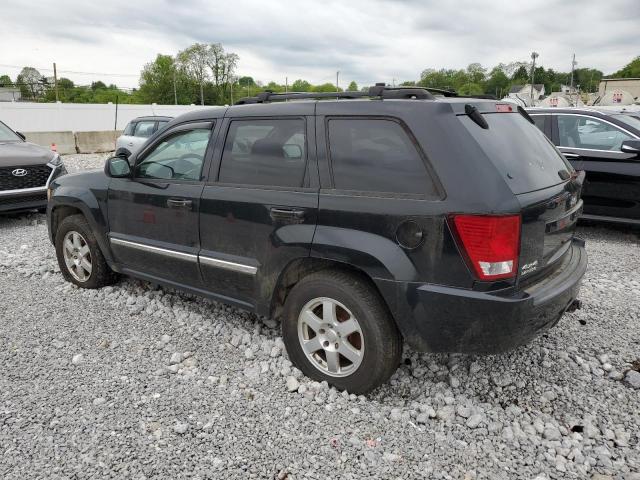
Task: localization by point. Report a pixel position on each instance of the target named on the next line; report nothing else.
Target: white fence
(80, 117)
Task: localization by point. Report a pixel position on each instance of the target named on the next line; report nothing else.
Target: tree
(521, 75)
(5, 81)
(325, 87)
(30, 82)
(497, 83)
(65, 84)
(157, 82)
(301, 86)
(353, 86)
(630, 70)
(222, 66)
(476, 73)
(194, 62)
(98, 85)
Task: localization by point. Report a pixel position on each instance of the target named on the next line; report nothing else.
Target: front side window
(376, 155)
(128, 130)
(577, 131)
(144, 128)
(178, 157)
(265, 152)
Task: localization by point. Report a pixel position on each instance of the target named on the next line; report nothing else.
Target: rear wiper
(525, 114)
(476, 116)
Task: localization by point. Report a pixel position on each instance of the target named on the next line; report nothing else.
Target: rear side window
(376, 155)
(522, 154)
(265, 152)
(128, 130)
(579, 131)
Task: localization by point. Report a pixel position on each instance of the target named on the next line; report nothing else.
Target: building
(10, 94)
(631, 85)
(523, 93)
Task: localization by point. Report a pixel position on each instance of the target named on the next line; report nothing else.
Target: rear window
(521, 152)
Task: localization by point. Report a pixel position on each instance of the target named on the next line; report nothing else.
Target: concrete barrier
(96, 142)
(65, 141)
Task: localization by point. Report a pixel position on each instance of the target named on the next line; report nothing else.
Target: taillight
(491, 243)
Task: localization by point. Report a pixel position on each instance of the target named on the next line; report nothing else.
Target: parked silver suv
(136, 133)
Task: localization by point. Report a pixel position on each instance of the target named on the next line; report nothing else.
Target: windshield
(520, 151)
(633, 121)
(8, 135)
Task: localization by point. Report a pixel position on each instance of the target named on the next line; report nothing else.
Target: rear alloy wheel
(331, 337)
(337, 328)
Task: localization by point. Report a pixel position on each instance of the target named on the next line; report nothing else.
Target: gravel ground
(134, 381)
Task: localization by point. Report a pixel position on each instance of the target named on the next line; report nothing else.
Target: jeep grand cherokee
(361, 221)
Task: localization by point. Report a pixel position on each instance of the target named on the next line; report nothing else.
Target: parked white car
(136, 133)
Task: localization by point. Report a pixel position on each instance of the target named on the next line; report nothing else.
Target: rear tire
(79, 256)
(336, 328)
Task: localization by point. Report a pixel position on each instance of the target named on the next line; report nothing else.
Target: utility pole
(231, 89)
(175, 92)
(337, 78)
(534, 55)
(248, 94)
(573, 66)
(286, 84)
(55, 79)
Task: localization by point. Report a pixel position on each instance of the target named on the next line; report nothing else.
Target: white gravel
(133, 381)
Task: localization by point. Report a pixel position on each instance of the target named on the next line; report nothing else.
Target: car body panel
(611, 191)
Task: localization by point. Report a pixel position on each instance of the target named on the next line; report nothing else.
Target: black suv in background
(606, 145)
(361, 221)
(25, 172)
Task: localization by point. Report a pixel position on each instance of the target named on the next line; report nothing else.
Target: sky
(365, 40)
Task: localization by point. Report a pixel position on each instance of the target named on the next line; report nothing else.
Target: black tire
(101, 275)
(381, 340)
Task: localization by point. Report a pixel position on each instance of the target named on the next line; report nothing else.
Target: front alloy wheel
(77, 256)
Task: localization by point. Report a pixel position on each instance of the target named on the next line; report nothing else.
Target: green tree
(5, 81)
(194, 61)
(497, 83)
(470, 89)
(325, 87)
(353, 86)
(157, 82)
(630, 70)
(98, 85)
(301, 86)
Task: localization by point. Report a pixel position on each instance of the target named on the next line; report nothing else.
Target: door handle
(131, 144)
(287, 214)
(571, 156)
(179, 203)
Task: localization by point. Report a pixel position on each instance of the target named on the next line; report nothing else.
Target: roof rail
(379, 90)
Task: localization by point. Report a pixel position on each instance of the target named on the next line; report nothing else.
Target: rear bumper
(443, 319)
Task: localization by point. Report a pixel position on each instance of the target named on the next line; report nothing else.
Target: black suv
(360, 222)
(26, 170)
(606, 145)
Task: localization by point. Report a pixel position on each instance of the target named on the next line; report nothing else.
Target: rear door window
(523, 155)
(265, 152)
(376, 155)
(128, 130)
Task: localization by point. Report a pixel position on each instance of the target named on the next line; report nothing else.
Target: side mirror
(117, 167)
(631, 146)
(21, 135)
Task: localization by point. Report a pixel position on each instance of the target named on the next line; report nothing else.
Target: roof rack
(379, 90)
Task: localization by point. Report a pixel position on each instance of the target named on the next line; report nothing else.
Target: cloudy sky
(366, 40)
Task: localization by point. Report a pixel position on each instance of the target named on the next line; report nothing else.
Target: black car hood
(19, 154)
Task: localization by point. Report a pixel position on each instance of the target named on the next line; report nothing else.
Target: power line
(74, 72)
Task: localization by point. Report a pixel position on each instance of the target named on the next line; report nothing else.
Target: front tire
(79, 256)
(337, 328)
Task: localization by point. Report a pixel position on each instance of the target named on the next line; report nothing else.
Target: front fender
(91, 202)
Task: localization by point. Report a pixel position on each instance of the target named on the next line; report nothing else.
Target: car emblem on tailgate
(19, 172)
